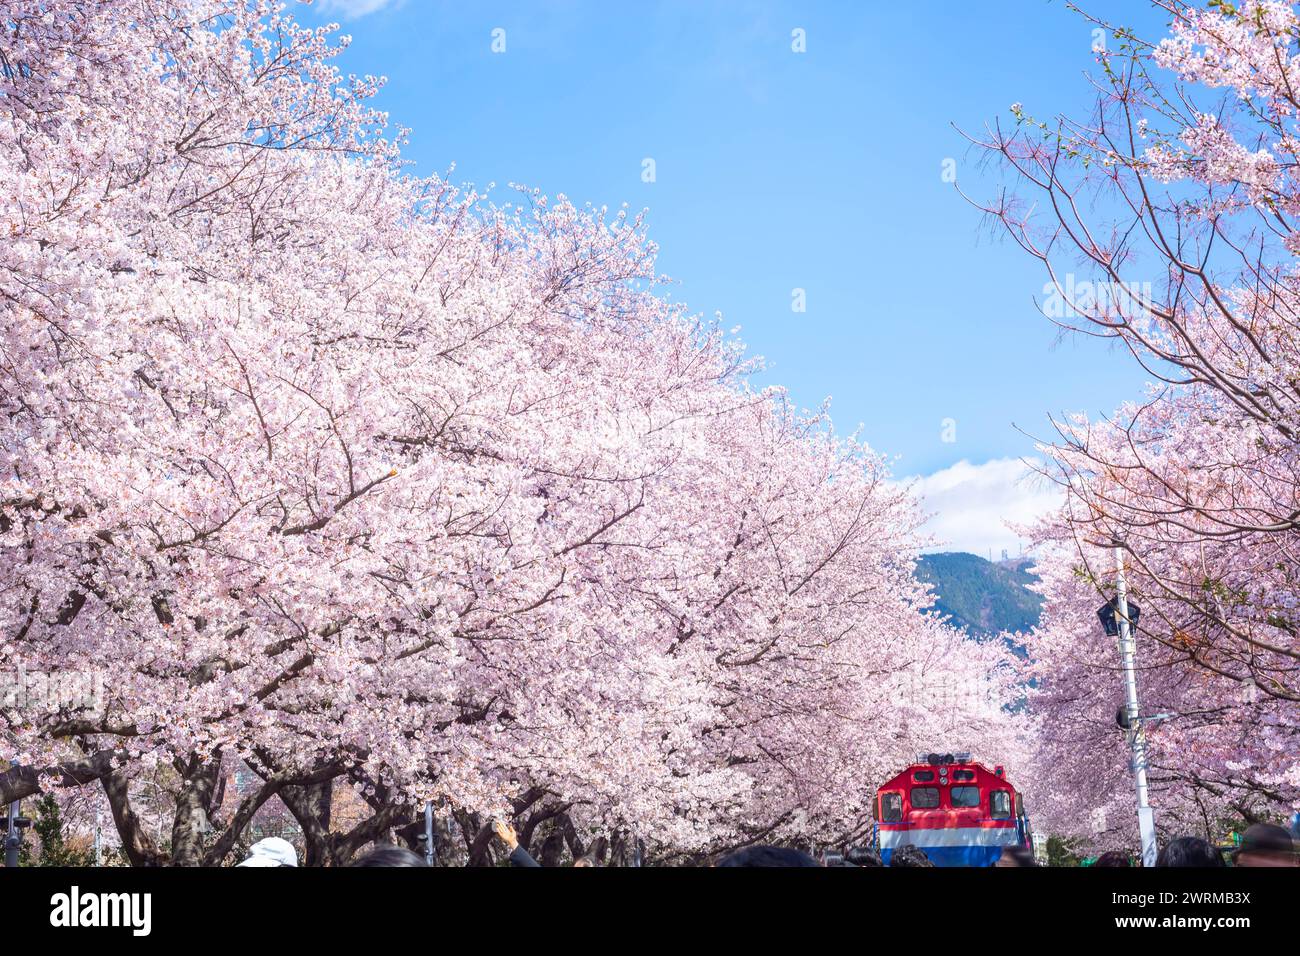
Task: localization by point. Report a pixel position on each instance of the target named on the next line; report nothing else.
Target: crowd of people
(1262, 844)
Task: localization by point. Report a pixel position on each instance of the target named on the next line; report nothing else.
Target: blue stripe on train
(955, 855)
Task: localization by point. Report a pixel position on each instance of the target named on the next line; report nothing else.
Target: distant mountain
(984, 597)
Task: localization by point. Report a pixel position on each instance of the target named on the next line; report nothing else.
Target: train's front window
(1001, 804)
(965, 796)
(925, 798)
(891, 807)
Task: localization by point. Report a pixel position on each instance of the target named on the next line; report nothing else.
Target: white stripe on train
(949, 836)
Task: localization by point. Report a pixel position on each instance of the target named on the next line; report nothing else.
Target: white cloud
(971, 505)
(352, 9)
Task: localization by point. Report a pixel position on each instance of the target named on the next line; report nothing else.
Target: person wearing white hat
(272, 851)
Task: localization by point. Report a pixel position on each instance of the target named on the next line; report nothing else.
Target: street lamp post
(430, 847)
(13, 842)
(15, 823)
(1116, 620)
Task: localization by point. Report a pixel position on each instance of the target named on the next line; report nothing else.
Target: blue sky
(777, 171)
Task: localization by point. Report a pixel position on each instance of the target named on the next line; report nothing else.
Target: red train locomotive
(957, 810)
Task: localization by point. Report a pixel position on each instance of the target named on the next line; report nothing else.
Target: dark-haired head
(1189, 851)
(389, 855)
(767, 856)
(909, 856)
(1265, 844)
(1113, 858)
(861, 856)
(1016, 856)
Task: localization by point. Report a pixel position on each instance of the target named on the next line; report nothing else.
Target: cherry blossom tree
(1164, 221)
(359, 480)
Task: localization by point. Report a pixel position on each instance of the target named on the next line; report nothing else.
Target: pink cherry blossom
(1189, 197)
(360, 479)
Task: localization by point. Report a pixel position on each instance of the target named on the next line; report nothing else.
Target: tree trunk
(193, 804)
(312, 806)
(139, 848)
